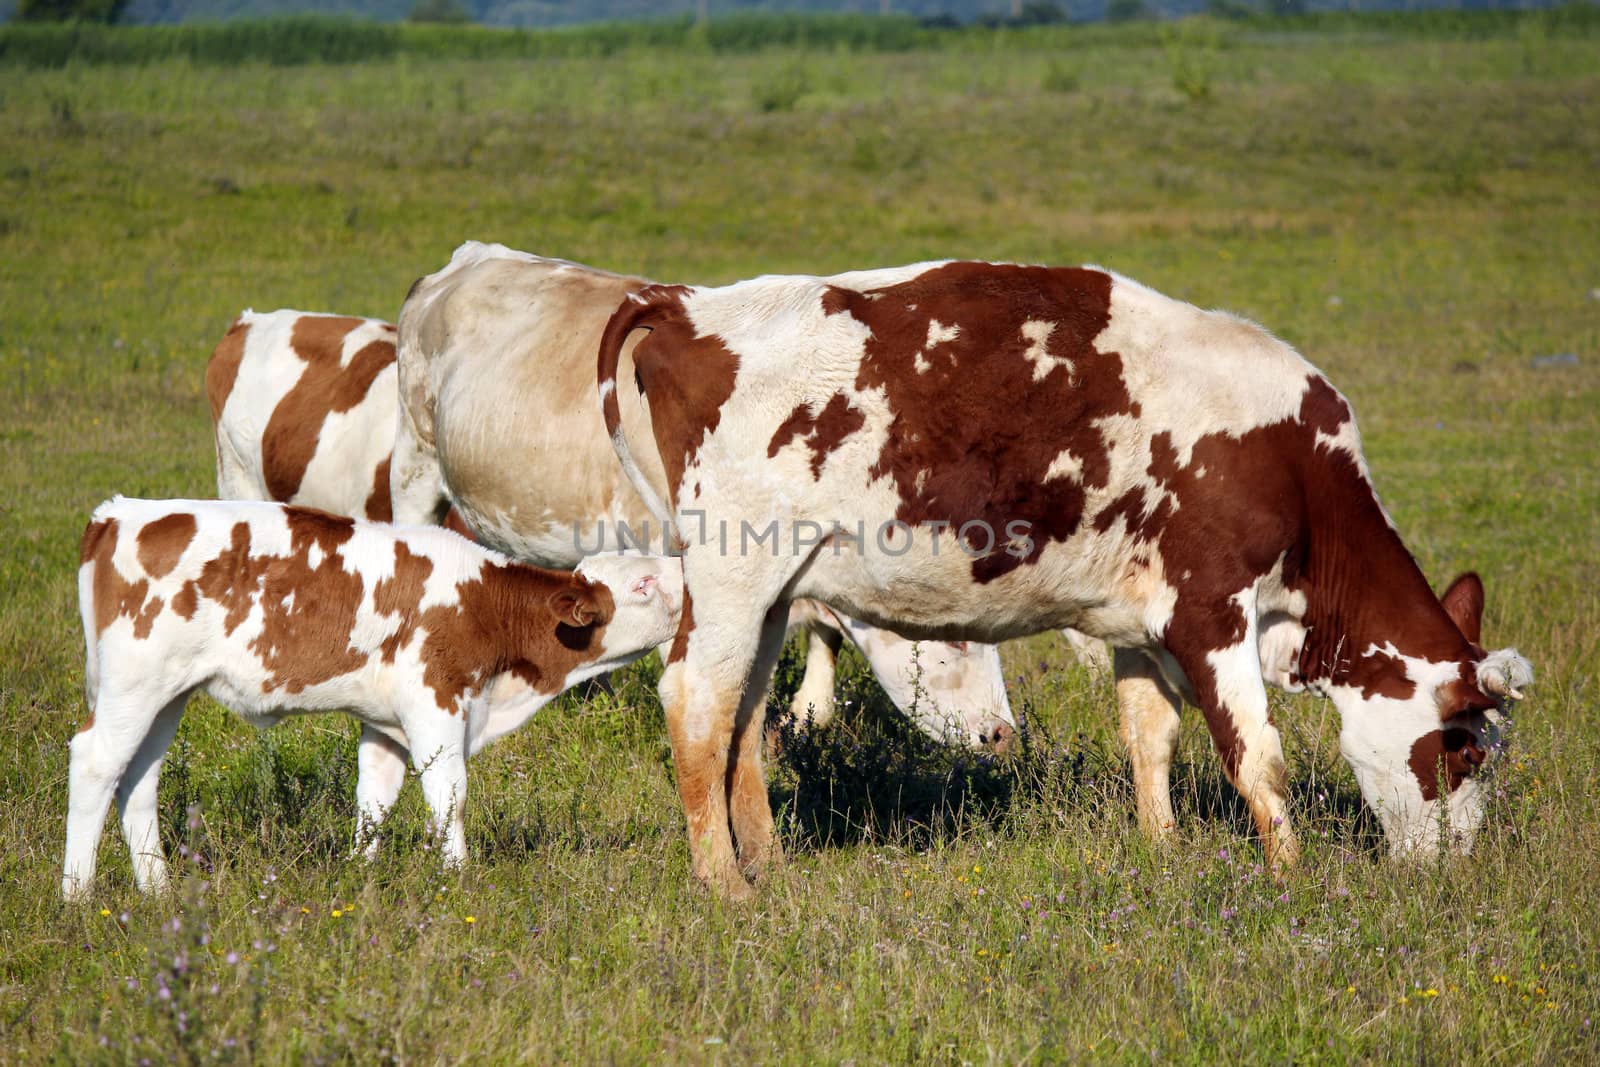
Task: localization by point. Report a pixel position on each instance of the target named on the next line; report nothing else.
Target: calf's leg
(438, 750)
(118, 725)
(416, 484)
(136, 799)
(381, 772)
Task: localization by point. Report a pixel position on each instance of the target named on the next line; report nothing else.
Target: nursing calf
(436, 644)
(997, 450)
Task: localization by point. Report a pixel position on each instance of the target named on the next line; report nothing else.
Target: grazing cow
(434, 642)
(496, 361)
(971, 450)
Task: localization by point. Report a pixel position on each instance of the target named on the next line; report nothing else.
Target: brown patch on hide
(1451, 755)
(93, 534)
(973, 430)
(401, 594)
(323, 388)
(1379, 674)
(680, 642)
(511, 617)
(822, 433)
(379, 507)
(507, 620)
(308, 612)
(162, 542)
(187, 600)
(686, 377)
(114, 596)
(1461, 696)
(229, 578)
(222, 369)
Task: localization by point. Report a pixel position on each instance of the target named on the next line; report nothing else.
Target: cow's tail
(644, 310)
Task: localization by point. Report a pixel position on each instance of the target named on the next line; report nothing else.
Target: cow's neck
(1363, 589)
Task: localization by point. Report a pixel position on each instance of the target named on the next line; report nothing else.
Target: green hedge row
(314, 39)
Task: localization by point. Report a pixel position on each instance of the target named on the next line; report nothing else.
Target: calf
(995, 450)
(436, 644)
(304, 411)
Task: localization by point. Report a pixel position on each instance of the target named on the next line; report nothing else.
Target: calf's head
(1419, 729)
(638, 598)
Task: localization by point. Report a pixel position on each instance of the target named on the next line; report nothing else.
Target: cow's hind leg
(1229, 689)
(136, 799)
(749, 810)
(701, 690)
(380, 774)
(1148, 708)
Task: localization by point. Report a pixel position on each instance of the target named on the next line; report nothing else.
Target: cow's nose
(1001, 739)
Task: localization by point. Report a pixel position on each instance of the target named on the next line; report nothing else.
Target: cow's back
(1100, 436)
(497, 375)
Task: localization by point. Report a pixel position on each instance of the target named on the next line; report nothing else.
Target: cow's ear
(1463, 698)
(580, 606)
(1463, 602)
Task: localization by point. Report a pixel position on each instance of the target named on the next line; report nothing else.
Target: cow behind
(999, 450)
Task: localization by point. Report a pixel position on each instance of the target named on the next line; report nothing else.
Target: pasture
(1419, 215)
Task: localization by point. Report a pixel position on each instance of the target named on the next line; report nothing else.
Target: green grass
(1420, 216)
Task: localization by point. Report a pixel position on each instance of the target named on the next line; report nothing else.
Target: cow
(979, 451)
(496, 357)
(435, 643)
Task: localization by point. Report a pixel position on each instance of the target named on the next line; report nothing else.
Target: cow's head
(1418, 731)
(953, 690)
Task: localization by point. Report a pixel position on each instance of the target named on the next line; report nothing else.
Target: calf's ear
(1463, 602)
(580, 607)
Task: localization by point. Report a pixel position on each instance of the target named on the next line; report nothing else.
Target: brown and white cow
(995, 450)
(496, 358)
(436, 644)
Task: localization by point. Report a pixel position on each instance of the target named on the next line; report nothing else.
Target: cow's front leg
(1148, 708)
(1228, 687)
(749, 810)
